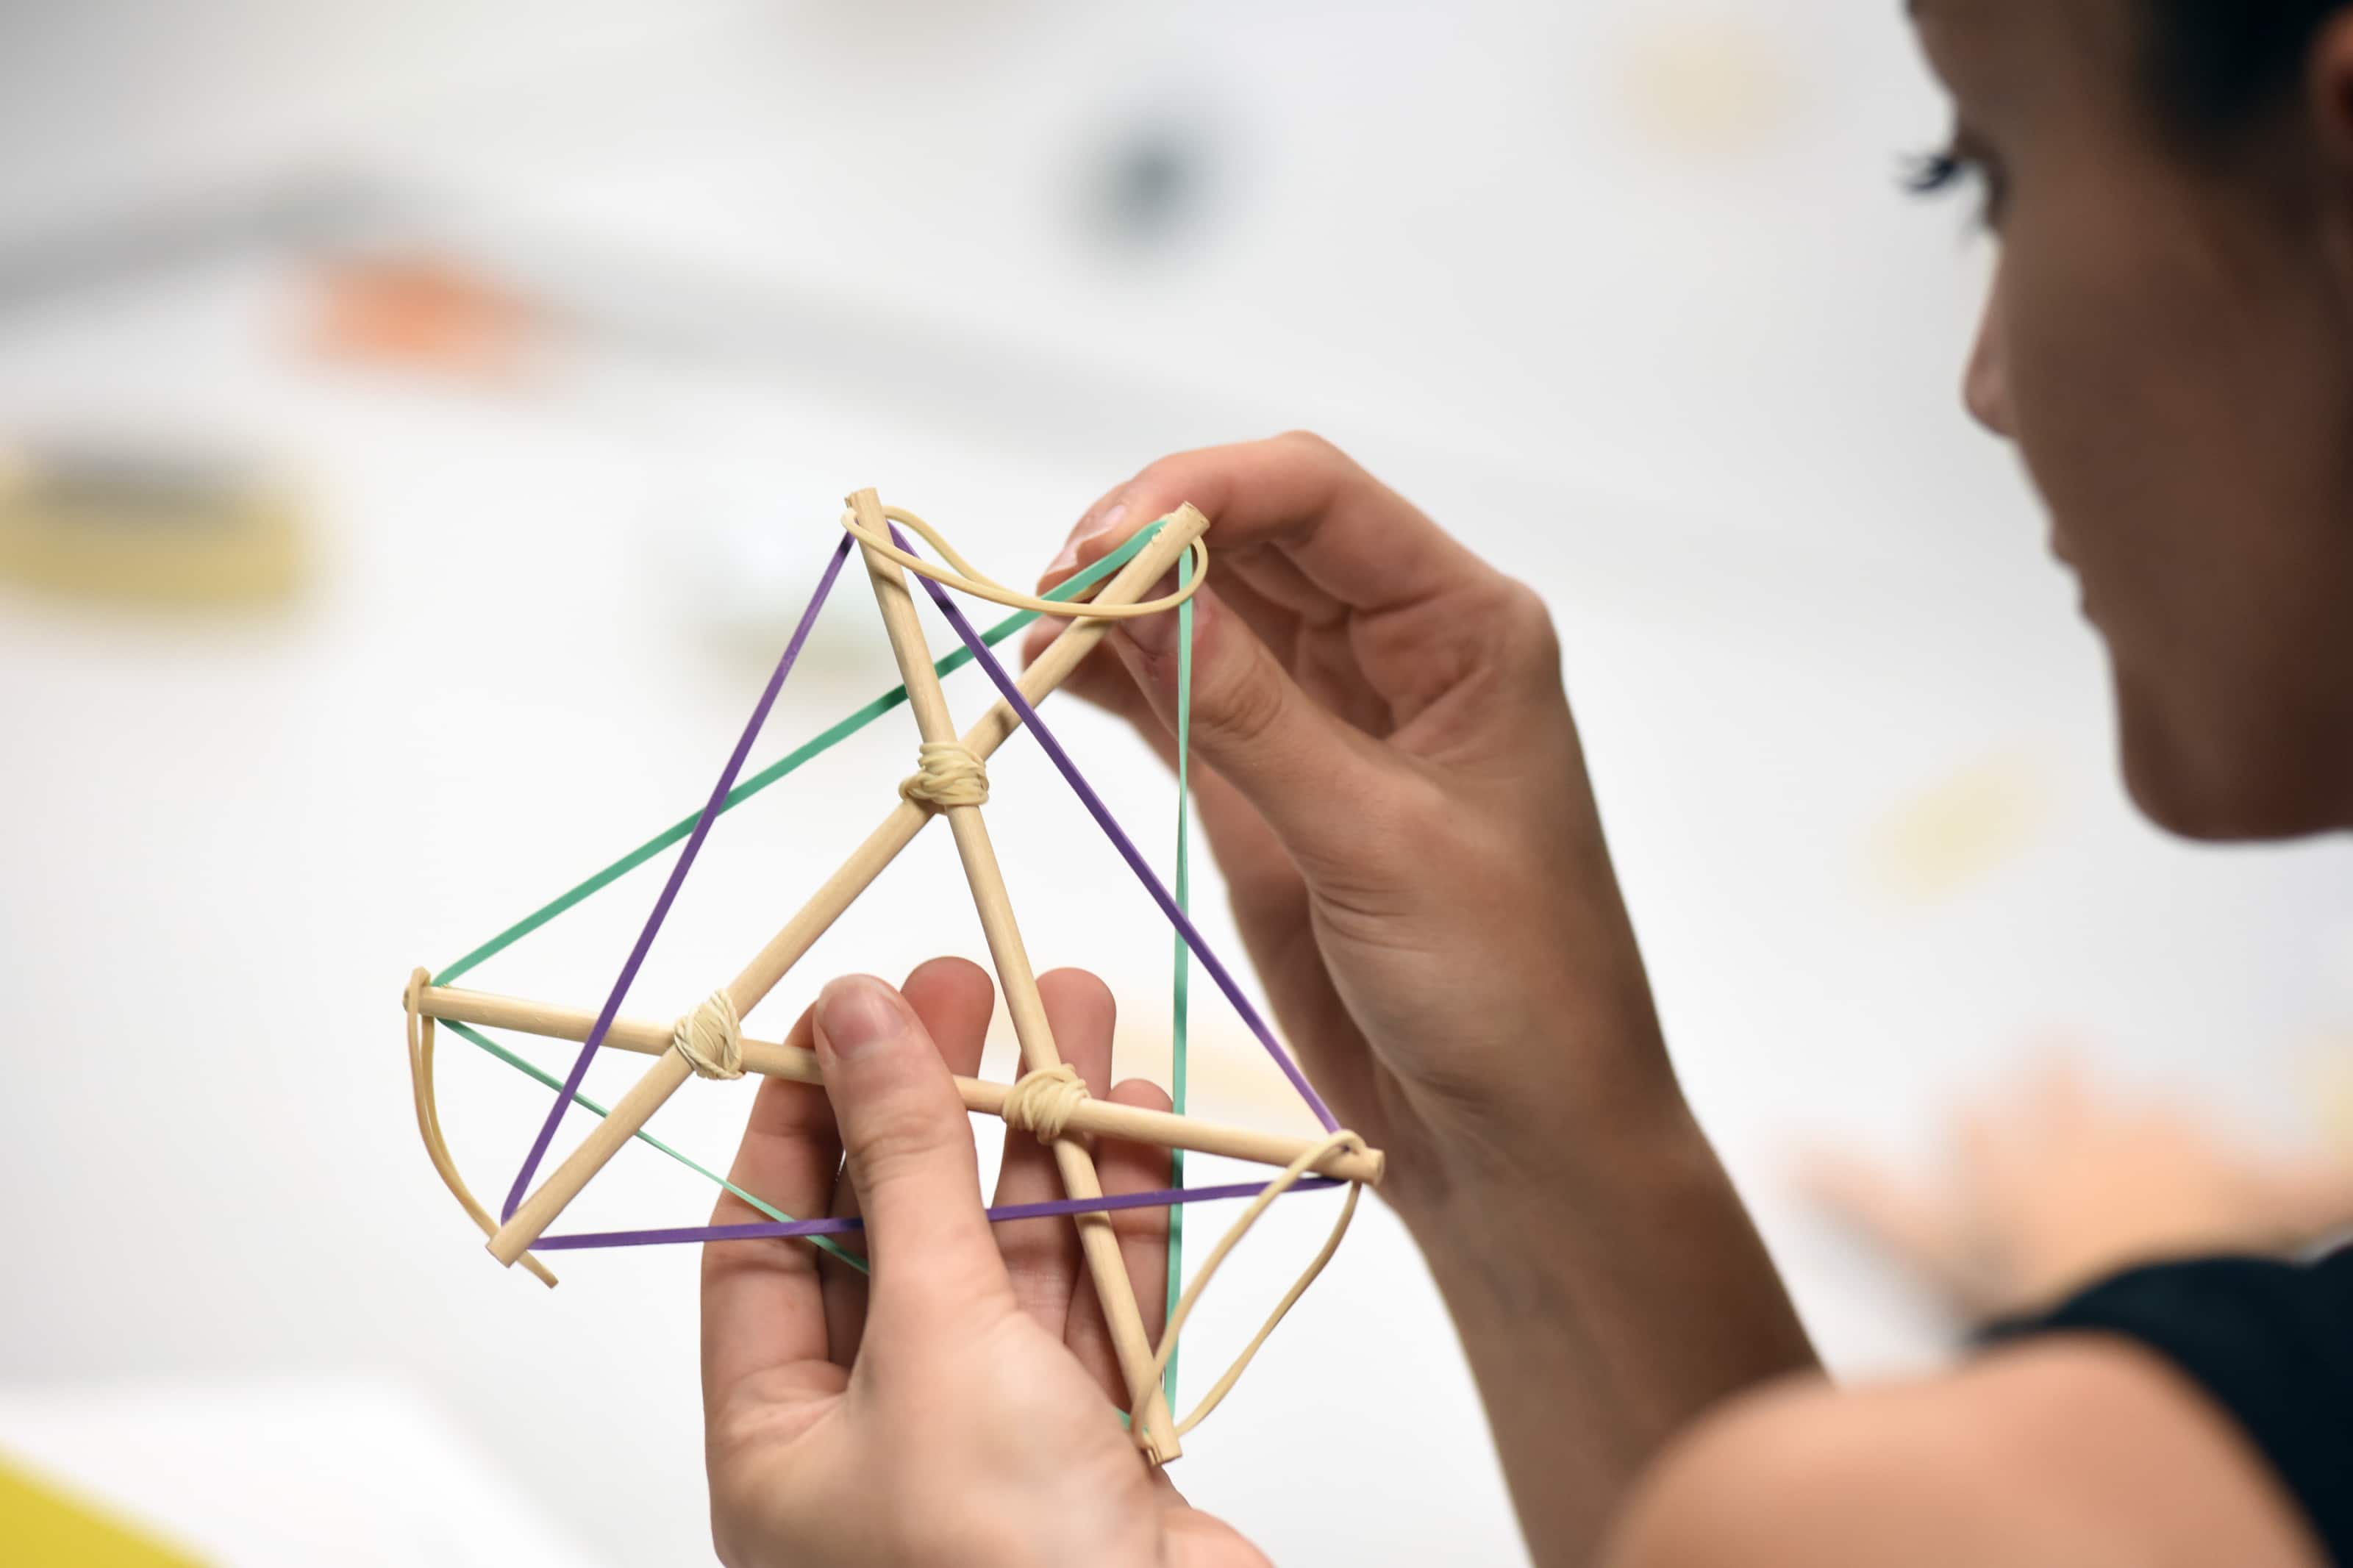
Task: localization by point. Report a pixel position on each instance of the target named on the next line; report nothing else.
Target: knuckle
(1153, 475)
(1334, 472)
(1142, 1093)
(1525, 619)
(1244, 713)
(898, 1146)
(1311, 446)
(1403, 826)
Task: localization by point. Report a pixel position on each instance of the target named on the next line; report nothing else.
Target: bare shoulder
(2078, 1451)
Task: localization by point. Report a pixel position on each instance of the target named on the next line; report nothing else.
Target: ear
(2328, 93)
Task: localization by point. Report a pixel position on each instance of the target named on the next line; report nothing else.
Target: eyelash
(1935, 172)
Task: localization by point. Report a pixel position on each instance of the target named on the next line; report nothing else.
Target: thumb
(1291, 759)
(908, 1149)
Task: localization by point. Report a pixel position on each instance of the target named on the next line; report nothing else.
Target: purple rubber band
(1169, 1197)
(669, 889)
(1011, 691)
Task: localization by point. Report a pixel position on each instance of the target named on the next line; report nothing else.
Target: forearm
(1605, 1296)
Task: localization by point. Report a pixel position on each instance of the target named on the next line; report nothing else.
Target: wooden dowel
(1099, 1118)
(536, 1213)
(1154, 1429)
(789, 946)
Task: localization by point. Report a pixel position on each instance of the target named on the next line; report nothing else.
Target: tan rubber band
(711, 1037)
(1044, 1102)
(1344, 1138)
(428, 1118)
(946, 773)
(966, 578)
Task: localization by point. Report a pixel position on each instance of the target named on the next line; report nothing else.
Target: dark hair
(2220, 63)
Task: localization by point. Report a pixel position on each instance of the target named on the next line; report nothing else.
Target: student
(1395, 792)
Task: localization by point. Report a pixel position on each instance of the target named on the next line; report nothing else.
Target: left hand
(959, 1407)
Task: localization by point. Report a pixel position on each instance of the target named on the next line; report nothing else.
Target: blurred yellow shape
(132, 527)
(1708, 86)
(1936, 842)
(40, 1525)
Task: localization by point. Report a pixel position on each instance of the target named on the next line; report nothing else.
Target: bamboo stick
(1100, 1117)
(663, 1076)
(1151, 1424)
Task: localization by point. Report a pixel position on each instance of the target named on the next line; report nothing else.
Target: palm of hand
(1017, 1459)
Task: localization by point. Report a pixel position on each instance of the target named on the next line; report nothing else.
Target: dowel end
(509, 1244)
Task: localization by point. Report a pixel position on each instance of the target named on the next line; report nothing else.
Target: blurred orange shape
(421, 312)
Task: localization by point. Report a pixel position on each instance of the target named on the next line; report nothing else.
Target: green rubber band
(1180, 1005)
(552, 1081)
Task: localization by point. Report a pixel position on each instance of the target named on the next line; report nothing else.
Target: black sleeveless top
(2270, 1342)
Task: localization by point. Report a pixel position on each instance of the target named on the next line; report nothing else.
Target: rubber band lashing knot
(965, 578)
(711, 1037)
(946, 773)
(1044, 1102)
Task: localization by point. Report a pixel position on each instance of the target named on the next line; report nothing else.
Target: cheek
(2175, 394)
(2088, 372)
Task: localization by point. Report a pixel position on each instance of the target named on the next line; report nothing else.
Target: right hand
(1396, 795)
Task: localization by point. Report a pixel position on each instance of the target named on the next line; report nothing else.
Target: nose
(1985, 388)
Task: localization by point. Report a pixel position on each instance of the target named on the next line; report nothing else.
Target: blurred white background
(1622, 290)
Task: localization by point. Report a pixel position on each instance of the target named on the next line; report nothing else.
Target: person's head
(2170, 342)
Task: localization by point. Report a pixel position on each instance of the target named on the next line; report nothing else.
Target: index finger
(1351, 536)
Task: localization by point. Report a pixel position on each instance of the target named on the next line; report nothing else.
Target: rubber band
(820, 1229)
(966, 578)
(428, 1121)
(1293, 1175)
(1180, 1000)
(1043, 1101)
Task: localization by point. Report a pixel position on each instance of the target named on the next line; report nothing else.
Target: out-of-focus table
(290, 1471)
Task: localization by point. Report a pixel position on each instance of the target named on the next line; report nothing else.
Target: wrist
(1572, 1128)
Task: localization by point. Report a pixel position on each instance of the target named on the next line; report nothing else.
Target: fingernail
(854, 1015)
(1091, 527)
